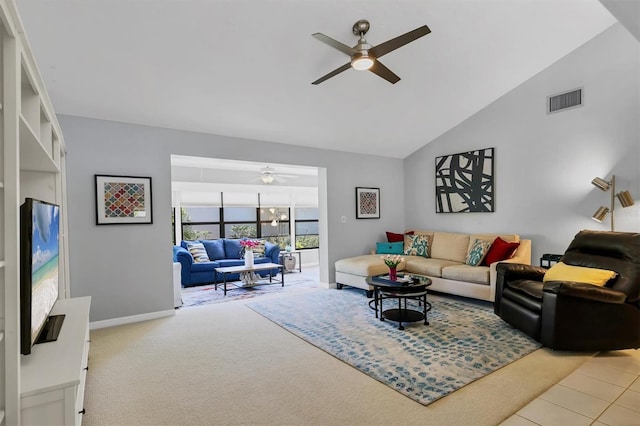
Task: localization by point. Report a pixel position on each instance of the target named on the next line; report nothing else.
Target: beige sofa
(445, 265)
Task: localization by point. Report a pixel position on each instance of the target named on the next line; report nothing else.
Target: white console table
(53, 375)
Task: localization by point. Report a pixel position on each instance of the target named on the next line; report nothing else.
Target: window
(275, 226)
(239, 222)
(307, 227)
(272, 224)
(200, 223)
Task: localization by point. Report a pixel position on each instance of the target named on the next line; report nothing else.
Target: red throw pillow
(500, 250)
(396, 238)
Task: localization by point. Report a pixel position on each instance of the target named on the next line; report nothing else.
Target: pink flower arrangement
(249, 244)
(392, 261)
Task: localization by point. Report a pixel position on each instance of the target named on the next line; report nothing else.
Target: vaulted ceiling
(244, 67)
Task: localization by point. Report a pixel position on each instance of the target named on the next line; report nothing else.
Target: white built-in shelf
(33, 156)
(2, 263)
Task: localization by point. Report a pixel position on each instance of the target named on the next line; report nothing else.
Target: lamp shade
(600, 214)
(625, 198)
(601, 183)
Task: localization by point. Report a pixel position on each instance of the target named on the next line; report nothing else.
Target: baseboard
(129, 320)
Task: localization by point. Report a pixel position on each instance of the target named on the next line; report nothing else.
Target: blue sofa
(222, 253)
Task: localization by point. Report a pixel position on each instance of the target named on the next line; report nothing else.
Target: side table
(547, 259)
(284, 254)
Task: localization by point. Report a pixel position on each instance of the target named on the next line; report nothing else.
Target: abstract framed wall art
(464, 182)
(123, 200)
(367, 203)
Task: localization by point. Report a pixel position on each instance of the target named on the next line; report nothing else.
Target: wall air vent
(566, 100)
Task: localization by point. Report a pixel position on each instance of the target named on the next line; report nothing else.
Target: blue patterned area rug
(464, 342)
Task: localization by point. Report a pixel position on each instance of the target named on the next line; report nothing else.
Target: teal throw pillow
(477, 252)
(416, 245)
(198, 252)
(389, 248)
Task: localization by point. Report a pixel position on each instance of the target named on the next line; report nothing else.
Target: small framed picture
(123, 200)
(367, 203)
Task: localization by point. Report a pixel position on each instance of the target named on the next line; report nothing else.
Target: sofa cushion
(232, 248)
(215, 249)
(198, 251)
(468, 273)
(426, 266)
(204, 267)
(390, 248)
(416, 245)
(365, 265)
(477, 251)
(500, 250)
(450, 246)
(225, 263)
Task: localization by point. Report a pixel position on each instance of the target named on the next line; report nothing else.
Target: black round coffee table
(416, 289)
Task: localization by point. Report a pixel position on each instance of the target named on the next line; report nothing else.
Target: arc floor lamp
(624, 197)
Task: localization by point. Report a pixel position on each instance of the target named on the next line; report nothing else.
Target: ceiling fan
(268, 175)
(364, 56)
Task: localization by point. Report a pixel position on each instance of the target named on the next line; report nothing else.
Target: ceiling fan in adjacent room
(364, 56)
(268, 175)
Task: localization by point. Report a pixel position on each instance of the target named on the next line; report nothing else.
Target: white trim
(131, 319)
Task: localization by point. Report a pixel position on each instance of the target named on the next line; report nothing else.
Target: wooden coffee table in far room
(255, 268)
(384, 289)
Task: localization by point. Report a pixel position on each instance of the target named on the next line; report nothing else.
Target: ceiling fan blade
(334, 43)
(391, 45)
(333, 73)
(384, 72)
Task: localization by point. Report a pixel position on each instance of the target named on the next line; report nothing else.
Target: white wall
(127, 268)
(545, 163)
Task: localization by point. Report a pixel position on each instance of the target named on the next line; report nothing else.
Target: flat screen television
(39, 265)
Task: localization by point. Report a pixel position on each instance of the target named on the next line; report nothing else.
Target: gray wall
(127, 268)
(545, 163)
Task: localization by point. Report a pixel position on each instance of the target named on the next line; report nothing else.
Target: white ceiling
(244, 67)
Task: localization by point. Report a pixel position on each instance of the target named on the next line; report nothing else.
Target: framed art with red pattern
(123, 200)
(367, 203)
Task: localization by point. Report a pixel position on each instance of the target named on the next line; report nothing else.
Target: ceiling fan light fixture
(267, 178)
(361, 61)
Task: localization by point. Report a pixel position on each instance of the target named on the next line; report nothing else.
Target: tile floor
(603, 391)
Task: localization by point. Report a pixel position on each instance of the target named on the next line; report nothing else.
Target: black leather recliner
(577, 316)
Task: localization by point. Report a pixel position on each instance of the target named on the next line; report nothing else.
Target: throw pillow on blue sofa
(215, 249)
(390, 248)
(232, 249)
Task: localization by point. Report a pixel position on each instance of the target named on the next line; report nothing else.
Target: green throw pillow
(416, 245)
(478, 251)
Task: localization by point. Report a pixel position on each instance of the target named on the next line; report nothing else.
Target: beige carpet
(225, 364)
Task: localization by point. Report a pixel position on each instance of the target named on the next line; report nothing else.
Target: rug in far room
(208, 294)
(464, 341)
